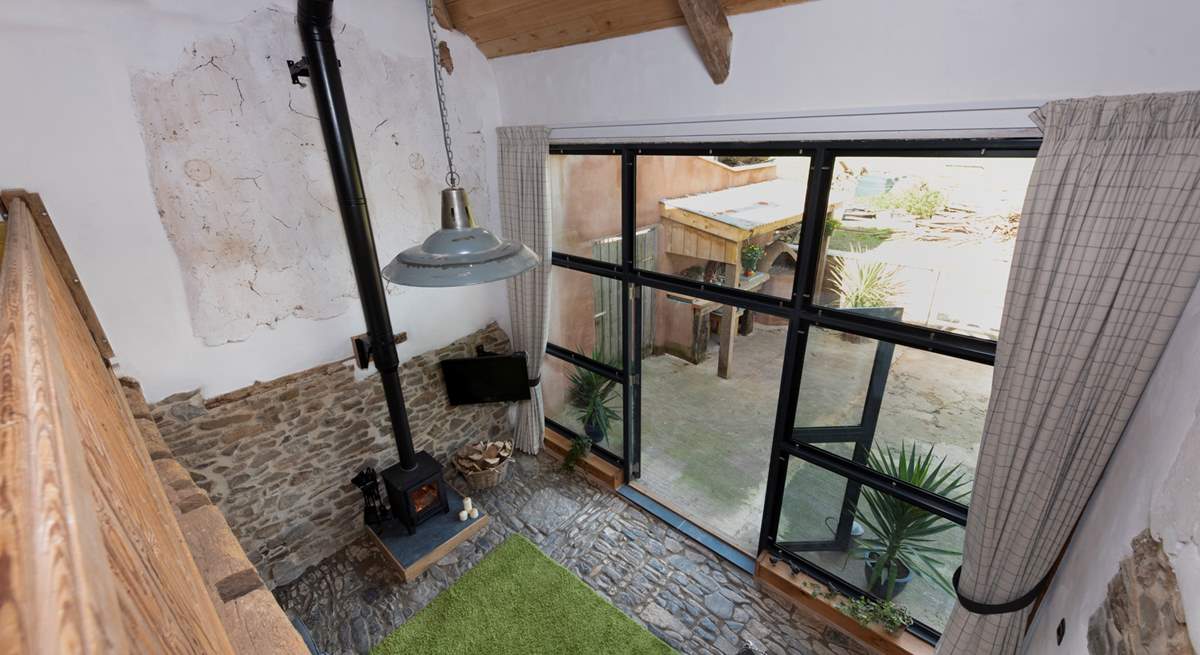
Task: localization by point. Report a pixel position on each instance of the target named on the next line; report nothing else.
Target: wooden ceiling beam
(510, 27)
(442, 14)
(710, 31)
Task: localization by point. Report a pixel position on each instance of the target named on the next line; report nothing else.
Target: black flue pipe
(315, 18)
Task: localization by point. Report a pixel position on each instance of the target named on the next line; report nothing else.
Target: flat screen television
(487, 378)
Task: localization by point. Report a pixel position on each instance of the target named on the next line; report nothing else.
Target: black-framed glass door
(846, 428)
(863, 332)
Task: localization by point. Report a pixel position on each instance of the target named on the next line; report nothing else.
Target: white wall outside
(71, 133)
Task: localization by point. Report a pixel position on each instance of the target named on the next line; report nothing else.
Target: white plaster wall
(69, 130)
(1151, 481)
(833, 54)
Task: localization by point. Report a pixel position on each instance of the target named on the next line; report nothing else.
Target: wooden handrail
(58, 252)
(48, 532)
(91, 557)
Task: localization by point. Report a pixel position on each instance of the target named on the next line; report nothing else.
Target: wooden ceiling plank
(467, 11)
(525, 43)
(509, 27)
(547, 14)
(710, 31)
(607, 25)
(579, 30)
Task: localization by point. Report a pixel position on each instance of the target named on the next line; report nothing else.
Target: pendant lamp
(461, 253)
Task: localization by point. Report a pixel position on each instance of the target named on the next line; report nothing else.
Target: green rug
(518, 601)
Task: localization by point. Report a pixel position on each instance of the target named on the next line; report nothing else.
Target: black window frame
(799, 309)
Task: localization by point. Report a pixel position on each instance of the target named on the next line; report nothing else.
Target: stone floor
(695, 601)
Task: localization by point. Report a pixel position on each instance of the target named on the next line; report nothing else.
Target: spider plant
(899, 535)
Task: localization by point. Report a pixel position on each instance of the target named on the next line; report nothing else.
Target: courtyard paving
(695, 601)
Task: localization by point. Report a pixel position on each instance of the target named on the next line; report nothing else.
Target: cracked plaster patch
(242, 182)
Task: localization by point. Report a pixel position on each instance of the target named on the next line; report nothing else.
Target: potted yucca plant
(900, 538)
(591, 394)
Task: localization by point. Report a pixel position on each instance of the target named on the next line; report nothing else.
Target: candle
(467, 505)
(462, 516)
(474, 513)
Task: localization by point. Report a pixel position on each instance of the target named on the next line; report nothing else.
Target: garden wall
(277, 457)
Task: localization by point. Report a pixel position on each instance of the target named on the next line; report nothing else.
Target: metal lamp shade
(459, 254)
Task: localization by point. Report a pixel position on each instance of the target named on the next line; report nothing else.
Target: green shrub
(867, 611)
(831, 225)
(862, 239)
(920, 201)
(580, 447)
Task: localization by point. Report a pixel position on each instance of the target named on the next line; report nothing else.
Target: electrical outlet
(1061, 630)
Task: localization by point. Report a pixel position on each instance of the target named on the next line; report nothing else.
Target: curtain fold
(1107, 256)
(524, 217)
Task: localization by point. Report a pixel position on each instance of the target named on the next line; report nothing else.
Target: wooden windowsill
(778, 580)
(599, 471)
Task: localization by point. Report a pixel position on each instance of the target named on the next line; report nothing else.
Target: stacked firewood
(483, 464)
(483, 455)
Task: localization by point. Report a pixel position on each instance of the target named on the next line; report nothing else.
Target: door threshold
(705, 538)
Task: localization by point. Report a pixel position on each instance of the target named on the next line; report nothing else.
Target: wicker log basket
(484, 464)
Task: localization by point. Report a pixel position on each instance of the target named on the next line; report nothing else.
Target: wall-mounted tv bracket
(299, 68)
(360, 345)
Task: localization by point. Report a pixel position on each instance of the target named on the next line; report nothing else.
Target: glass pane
(928, 548)
(896, 398)
(574, 396)
(930, 236)
(732, 221)
(811, 512)
(585, 314)
(707, 418)
(585, 205)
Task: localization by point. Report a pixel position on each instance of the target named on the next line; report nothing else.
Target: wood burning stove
(418, 493)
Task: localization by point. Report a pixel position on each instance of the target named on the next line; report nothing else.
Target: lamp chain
(452, 178)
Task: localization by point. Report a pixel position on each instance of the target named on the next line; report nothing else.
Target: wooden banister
(58, 252)
(92, 559)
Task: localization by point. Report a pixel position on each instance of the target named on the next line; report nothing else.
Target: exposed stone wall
(277, 457)
(1143, 613)
(254, 622)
